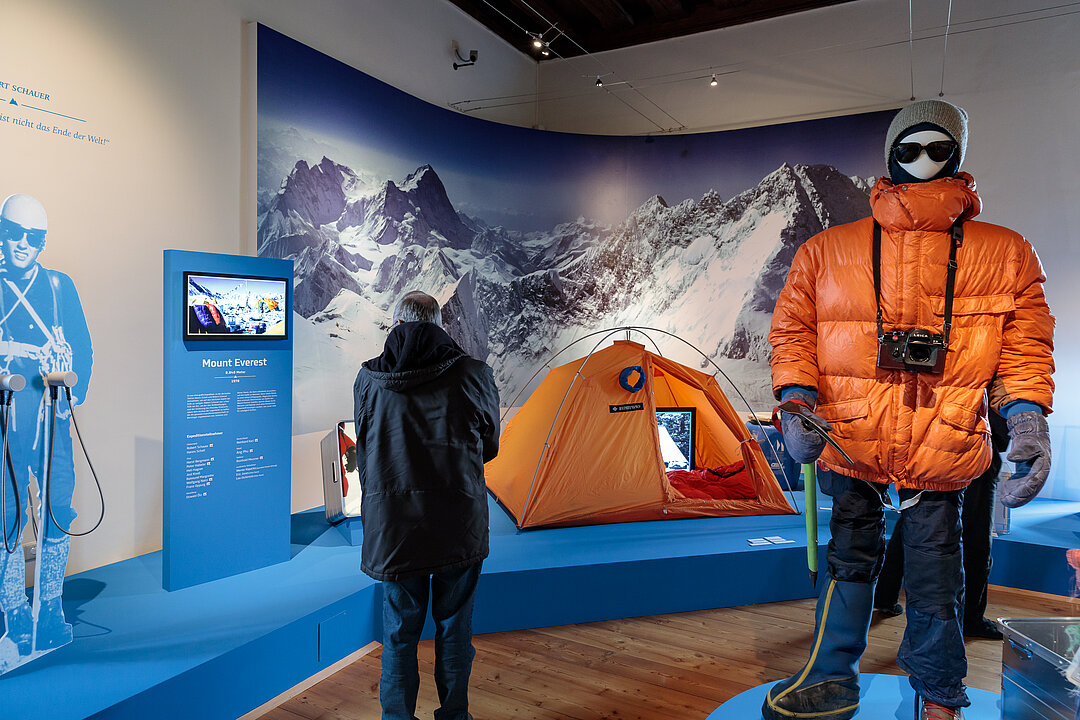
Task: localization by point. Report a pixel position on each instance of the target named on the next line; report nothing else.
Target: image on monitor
(676, 427)
(227, 307)
(350, 473)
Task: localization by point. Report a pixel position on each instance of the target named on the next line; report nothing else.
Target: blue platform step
(221, 649)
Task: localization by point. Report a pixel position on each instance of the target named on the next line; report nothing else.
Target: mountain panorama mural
(524, 268)
(708, 270)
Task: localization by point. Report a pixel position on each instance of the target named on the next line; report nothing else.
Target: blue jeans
(404, 611)
(932, 651)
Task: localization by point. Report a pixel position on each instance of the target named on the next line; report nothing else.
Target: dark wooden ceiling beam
(598, 25)
(664, 10)
(701, 18)
(610, 14)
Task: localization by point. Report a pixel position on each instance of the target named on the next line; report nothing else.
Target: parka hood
(415, 353)
(932, 206)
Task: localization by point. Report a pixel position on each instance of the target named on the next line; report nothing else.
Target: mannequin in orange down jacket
(896, 351)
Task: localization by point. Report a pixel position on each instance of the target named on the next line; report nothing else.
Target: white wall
(165, 82)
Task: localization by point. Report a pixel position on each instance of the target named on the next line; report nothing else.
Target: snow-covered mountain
(708, 270)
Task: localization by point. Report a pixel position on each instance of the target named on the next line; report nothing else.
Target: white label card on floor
(770, 540)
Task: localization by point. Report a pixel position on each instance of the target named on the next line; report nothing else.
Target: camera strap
(957, 234)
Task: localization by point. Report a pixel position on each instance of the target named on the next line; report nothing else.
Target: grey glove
(1030, 450)
(803, 444)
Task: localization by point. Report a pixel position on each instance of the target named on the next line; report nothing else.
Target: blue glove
(1030, 450)
(804, 445)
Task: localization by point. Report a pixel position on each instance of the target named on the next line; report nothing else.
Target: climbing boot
(19, 628)
(827, 688)
(16, 643)
(928, 710)
(52, 630)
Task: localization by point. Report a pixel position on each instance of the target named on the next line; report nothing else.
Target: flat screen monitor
(341, 478)
(219, 306)
(676, 428)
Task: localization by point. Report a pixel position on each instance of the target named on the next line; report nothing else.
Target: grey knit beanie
(948, 117)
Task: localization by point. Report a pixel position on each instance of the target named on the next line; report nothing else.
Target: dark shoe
(831, 699)
(52, 630)
(890, 611)
(933, 711)
(982, 628)
(827, 688)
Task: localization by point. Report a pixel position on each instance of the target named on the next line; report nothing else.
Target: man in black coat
(427, 419)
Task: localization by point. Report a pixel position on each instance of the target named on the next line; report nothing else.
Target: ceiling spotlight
(545, 51)
(599, 82)
(713, 83)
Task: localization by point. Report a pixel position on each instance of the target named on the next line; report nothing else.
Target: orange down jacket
(918, 430)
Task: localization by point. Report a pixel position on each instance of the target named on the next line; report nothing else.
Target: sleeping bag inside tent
(585, 448)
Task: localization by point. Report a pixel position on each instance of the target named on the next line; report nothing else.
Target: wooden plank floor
(666, 667)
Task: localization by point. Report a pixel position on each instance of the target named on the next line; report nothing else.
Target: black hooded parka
(427, 419)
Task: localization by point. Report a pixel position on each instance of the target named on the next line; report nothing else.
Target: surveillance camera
(472, 55)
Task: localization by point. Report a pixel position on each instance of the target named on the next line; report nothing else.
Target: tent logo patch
(632, 379)
(626, 407)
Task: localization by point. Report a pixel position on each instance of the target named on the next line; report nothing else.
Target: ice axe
(812, 421)
(810, 503)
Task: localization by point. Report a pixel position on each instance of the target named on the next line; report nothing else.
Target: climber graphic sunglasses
(13, 231)
(938, 151)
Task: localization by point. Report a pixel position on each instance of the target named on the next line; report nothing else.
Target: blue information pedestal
(227, 427)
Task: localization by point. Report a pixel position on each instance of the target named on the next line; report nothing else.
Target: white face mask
(923, 167)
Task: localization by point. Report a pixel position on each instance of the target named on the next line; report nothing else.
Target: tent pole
(547, 440)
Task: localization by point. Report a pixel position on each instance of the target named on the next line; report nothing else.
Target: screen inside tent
(675, 427)
(350, 474)
(228, 307)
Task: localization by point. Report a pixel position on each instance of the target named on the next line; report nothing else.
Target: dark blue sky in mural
(529, 179)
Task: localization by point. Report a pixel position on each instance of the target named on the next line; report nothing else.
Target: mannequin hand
(1031, 452)
(803, 444)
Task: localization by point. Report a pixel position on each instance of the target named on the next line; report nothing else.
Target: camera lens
(919, 354)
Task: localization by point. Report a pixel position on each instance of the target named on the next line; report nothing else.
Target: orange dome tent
(584, 449)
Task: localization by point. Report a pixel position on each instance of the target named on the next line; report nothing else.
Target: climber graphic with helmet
(42, 330)
(899, 331)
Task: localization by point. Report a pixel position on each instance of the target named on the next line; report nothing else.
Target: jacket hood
(415, 353)
(933, 205)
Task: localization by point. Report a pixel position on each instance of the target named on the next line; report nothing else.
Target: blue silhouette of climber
(42, 330)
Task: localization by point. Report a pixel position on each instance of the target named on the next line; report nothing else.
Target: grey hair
(418, 306)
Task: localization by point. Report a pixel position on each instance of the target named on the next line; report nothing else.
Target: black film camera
(916, 350)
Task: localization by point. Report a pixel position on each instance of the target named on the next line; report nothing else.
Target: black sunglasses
(938, 151)
(13, 231)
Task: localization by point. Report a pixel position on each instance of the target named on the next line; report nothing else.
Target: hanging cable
(6, 466)
(945, 50)
(544, 45)
(48, 474)
(910, 49)
(680, 125)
